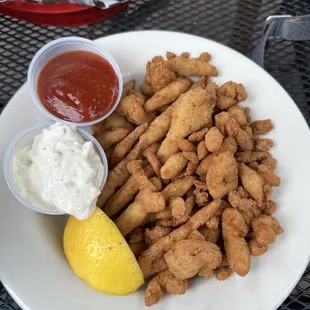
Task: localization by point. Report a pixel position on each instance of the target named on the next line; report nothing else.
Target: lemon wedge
(99, 255)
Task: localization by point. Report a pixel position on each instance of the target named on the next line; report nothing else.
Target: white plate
(32, 264)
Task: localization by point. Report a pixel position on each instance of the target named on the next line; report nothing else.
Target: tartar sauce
(60, 171)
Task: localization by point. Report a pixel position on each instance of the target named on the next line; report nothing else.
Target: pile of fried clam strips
(191, 177)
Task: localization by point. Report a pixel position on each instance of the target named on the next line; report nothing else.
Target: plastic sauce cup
(60, 46)
(24, 139)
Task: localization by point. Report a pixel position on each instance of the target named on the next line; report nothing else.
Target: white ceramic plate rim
(306, 254)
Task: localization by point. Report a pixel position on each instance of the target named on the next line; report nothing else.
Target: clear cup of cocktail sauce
(74, 81)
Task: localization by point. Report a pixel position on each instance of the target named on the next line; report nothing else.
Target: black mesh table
(236, 23)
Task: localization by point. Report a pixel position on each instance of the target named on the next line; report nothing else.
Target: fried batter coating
(178, 188)
(137, 248)
(120, 199)
(222, 176)
(147, 90)
(270, 207)
(165, 281)
(177, 206)
(110, 123)
(213, 223)
(229, 145)
(157, 130)
(213, 139)
(268, 175)
(191, 67)
(249, 156)
(263, 145)
(198, 136)
(160, 247)
(191, 156)
(190, 169)
(211, 235)
(150, 154)
(262, 127)
(266, 228)
(170, 55)
(185, 55)
(137, 235)
(224, 271)
(142, 181)
(234, 230)
(153, 234)
(108, 138)
(205, 164)
(167, 94)
(205, 56)
(138, 211)
(185, 145)
(243, 204)
(124, 147)
(200, 83)
(229, 94)
(252, 182)
(253, 165)
(221, 119)
(202, 197)
(129, 88)
(201, 150)
(132, 108)
(190, 112)
(270, 163)
(196, 235)
(211, 90)
(242, 192)
(158, 74)
(256, 248)
(247, 112)
(186, 257)
(244, 140)
(173, 166)
(238, 114)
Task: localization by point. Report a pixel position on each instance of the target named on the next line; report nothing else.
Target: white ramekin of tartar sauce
(56, 169)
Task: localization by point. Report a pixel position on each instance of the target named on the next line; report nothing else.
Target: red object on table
(59, 15)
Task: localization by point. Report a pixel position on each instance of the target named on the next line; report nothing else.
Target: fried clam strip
(187, 257)
(252, 182)
(167, 94)
(158, 74)
(138, 211)
(161, 246)
(165, 281)
(246, 206)
(129, 88)
(177, 213)
(108, 138)
(142, 181)
(222, 176)
(120, 199)
(124, 147)
(234, 230)
(191, 67)
(156, 131)
(200, 83)
(132, 108)
(150, 154)
(112, 122)
(178, 188)
(173, 166)
(229, 94)
(191, 112)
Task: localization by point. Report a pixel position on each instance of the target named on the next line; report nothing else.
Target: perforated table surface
(236, 23)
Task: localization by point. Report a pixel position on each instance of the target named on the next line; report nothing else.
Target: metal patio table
(235, 23)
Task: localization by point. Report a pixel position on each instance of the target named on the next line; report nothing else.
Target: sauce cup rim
(8, 162)
(70, 40)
